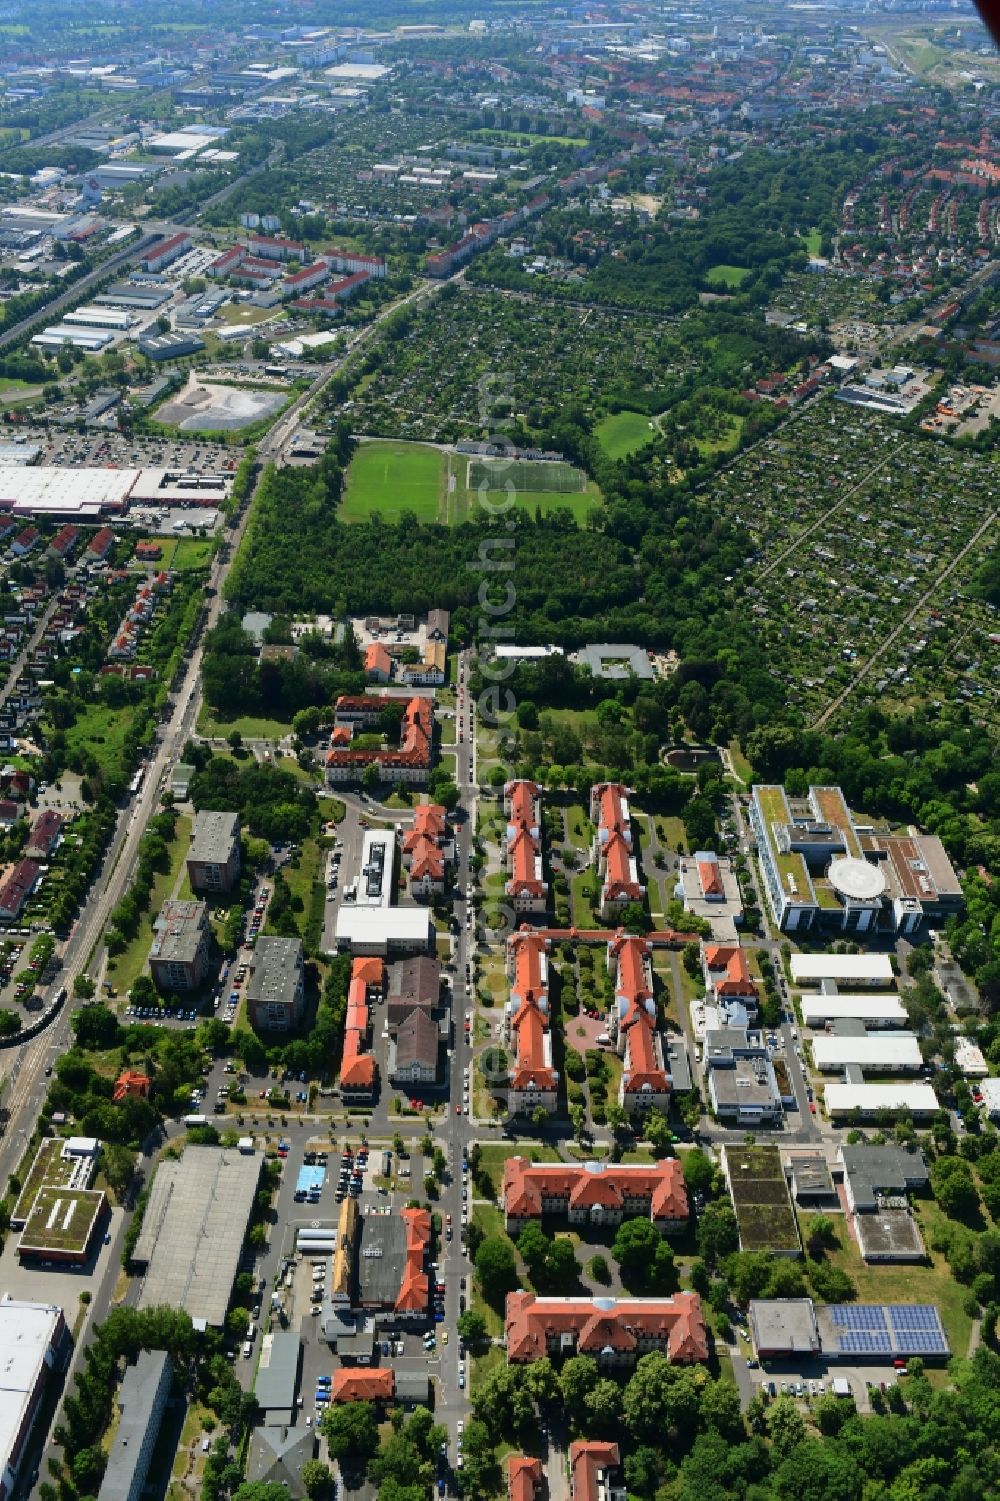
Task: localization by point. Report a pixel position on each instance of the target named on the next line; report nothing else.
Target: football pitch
(391, 478)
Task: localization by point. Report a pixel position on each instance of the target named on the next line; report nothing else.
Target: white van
(251, 1331)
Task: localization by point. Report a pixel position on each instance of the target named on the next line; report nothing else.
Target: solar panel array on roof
(887, 1329)
(918, 1329)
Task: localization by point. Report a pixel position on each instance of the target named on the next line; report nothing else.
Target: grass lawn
(465, 503)
(726, 276)
(392, 478)
(578, 825)
(904, 1283)
(814, 242)
(492, 1357)
(724, 440)
(190, 553)
(101, 732)
(623, 433)
(673, 835)
(492, 1156)
(303, 870)
(244, 312)
(129, 965)
(584, 915)
(248, 726)
(741, 765)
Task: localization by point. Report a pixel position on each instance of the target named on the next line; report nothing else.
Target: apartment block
(614, 851)
(213, 862)
(178, 959)
(532, 1080)
(645, 1082)
(526, 887)
(275, 989)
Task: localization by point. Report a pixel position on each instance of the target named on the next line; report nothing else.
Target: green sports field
(392, 478)
(623, 433)
(490, 486)
(726, 276)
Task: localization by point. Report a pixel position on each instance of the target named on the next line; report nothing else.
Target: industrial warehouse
(91, 494)
(193, 1230)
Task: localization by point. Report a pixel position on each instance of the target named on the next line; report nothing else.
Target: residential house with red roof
(594, 1193)
(271, 249)
(44, 835)
(378, 663)
(414, 1286)
(304, 280)
(613, 849)
(526, 887)
(532, 1081)
(16, 888)
(524, 1477)
(590, 1466)
(645, 1081)
(101, 542)
(615, 1331)
(425, 851)
(64, 541)
(363, 1384)
(131, 1084)
(358, 1068)
(25, 541)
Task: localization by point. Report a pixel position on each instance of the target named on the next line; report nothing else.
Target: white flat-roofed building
(883, 1052)
(384, 930)
(90, 340)
(991, 1097)
(510, 652)
(874, 1010)
(77, 493)
(969, 1058)
(118, 319)
(915, 1099)
(174, 487)
(856, 969)
(33, 1342)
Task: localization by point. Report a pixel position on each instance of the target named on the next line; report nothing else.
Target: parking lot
(97, 449)
(808, 1379)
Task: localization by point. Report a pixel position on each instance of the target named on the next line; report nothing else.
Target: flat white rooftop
(26, 1334)
(70, 492)
(869, 969)
(841, 1099)
(385, 926)
(886, 1050)
(884, 1010)
(991, 1095)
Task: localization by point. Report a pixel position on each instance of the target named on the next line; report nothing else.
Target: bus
(136, 783)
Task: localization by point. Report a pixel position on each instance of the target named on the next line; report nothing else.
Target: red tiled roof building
(594, 1193)
(615, 1331)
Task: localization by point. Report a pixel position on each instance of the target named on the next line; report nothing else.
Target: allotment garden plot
(473, 361)
(867, 541)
